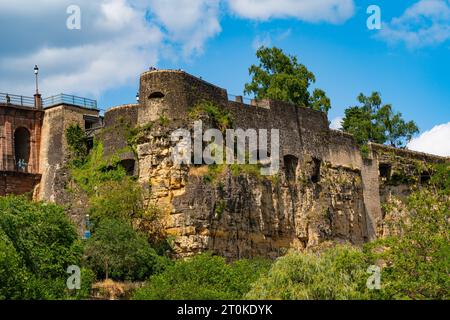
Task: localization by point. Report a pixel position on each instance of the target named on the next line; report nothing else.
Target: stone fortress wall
(325, 190)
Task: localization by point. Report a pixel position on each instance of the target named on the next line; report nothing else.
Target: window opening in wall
(385, 171)
(315, 177)
(22, 148)
(156, 95)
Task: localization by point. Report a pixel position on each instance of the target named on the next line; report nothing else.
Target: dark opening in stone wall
(385, 171)
(22, 148)
(156, 95)
(129, 166)
(290, 167)
(315, 177)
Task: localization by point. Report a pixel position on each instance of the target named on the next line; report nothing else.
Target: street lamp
(36, 72)
(137, 97)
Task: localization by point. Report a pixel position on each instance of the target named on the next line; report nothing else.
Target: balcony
(69, 100)
(28, 102)
(12, 99)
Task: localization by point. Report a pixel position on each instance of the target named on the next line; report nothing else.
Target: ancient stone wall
(325, 189)
(54, 150)
(18, 183)
(13, 118)
(20, 138)
(119, 122)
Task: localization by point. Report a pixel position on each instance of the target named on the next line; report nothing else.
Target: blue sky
(408, 60)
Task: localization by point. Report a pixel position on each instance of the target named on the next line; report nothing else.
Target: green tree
(374, 122)
(203, 277)
(117, 251)
(38, 243)
(334, 274)
(416, 260)
(282, 77)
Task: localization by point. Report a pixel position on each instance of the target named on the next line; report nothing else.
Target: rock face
(324, 191)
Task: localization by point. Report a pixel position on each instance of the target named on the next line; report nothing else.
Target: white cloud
(435, 141)
(114, 45)
(426, 22)
(121, 38)
(189, 22)
(336, 123)
(333, 11)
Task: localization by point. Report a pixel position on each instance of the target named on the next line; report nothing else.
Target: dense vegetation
(203, 277)
(37, 245)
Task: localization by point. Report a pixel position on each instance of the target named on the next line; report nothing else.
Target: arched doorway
(22, 148)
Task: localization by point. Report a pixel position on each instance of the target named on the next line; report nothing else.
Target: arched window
(156, 95)
(22, 148)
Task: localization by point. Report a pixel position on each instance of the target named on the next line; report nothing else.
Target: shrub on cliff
(37, 244)
(203, 277)
(118, 252)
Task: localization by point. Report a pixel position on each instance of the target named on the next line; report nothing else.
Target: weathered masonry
(325, 191)
(32, 143)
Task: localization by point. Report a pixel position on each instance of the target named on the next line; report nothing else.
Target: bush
(77, 142)
(203, 277)
(416, 262)
(37, 243)
(334, 274)
(117, 251)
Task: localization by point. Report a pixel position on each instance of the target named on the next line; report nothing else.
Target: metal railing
(13, 99)
(70, 100)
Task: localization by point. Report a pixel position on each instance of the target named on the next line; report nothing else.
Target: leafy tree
(117, 251)
(374, 122)
(37, 243)
(416, 260)
(282, 77)
(334, 274)
(203, 277)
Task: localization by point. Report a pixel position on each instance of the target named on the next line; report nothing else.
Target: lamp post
(36, 72)
(137, 97)
(37, 96)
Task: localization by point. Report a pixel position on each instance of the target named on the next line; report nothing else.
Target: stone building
(325, 191)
